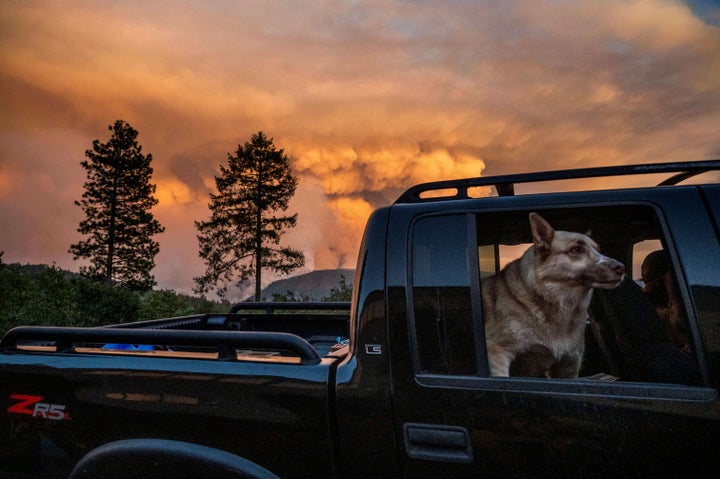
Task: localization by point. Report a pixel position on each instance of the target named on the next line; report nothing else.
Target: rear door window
(637, 331)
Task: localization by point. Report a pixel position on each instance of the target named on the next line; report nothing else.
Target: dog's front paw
(499, 360)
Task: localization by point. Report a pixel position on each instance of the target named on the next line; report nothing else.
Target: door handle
(437, 442)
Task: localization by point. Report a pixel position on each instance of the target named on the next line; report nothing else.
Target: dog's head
(571, 258)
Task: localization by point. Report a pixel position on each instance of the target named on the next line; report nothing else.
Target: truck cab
(645, 403)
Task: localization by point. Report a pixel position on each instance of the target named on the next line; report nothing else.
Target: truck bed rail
(323, 307)
(66, 339)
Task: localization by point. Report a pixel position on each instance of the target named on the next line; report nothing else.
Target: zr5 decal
(32, 406)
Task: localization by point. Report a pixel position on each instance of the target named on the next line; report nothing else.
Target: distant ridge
(315, 285)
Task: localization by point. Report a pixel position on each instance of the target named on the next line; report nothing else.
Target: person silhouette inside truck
(662, 289)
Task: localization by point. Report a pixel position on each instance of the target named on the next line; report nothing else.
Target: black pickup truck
(396, 384)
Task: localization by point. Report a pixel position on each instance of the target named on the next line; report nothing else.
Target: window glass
(441, 295)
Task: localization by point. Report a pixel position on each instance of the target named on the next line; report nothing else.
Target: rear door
(645, 404)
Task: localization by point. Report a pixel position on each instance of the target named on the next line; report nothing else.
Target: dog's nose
(618, 268)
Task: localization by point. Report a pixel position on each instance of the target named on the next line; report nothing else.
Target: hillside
(315, 285)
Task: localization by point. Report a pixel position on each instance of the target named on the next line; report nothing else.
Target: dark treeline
(49, 296)
(40, 295)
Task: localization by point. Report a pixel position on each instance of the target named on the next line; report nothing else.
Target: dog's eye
(577, 249)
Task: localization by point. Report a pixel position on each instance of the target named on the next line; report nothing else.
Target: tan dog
(536, 307)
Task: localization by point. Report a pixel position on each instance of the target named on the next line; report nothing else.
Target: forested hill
(315, 285)
(47, 295)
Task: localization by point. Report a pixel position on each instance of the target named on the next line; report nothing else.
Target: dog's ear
(542, 232)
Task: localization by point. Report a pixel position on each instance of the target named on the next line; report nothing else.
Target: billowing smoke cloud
(355, 181)
(366, 98)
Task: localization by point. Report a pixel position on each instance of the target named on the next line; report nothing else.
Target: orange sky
(366, 98)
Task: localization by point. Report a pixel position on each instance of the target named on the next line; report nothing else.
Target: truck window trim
(582, 386)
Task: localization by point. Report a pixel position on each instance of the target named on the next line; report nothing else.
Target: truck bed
(276, 332)
(236, 382)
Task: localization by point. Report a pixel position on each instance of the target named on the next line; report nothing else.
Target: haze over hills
(315, 285)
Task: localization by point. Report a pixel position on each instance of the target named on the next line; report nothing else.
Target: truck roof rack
(505, 184)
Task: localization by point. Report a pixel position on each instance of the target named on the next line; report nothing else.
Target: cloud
(366, 98)
(346, 170)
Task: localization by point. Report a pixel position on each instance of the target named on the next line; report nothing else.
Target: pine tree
(117, 203)
(342, 293)
(243, 234)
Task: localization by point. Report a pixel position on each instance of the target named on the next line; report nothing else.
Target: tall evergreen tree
(243, 234)
(117, 204)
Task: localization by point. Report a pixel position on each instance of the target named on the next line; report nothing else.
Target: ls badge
(373, 349)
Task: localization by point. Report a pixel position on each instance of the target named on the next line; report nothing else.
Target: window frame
(582, 386)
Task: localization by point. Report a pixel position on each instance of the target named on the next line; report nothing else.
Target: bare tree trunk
(111, 233)
(258, 245)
